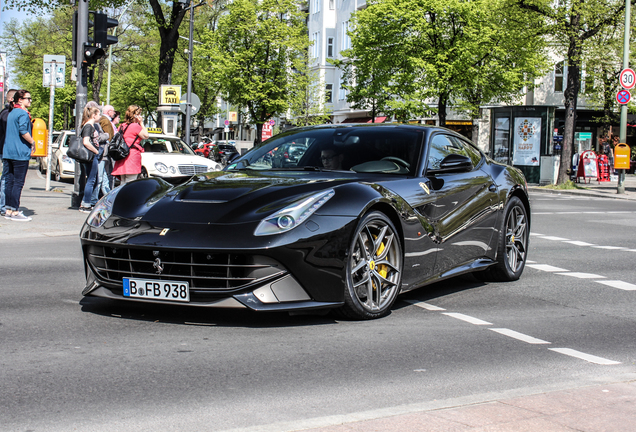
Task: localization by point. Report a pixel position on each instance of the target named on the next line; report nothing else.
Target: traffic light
(98, 37)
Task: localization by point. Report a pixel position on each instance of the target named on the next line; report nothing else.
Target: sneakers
(85, 209)
(20, 217)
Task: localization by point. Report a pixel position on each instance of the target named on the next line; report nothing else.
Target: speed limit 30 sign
(628, 78)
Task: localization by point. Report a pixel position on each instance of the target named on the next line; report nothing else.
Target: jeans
(91, 178)
(14, 174)
(3, 205)
(102, 183)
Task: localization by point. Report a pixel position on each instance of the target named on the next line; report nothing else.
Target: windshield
(390, 150)
(166, 145)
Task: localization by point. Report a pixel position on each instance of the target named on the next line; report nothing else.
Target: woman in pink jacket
(128, 169)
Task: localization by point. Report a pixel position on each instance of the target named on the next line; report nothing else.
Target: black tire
(375, 260)
(512, 246)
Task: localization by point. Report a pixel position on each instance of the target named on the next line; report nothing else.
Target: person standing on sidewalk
(18, 145)
(104, 166)
(90, 139)
(129, 168)
(4, 114)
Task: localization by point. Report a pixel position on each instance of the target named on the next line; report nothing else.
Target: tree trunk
(571, 98)
(441, 108)
(169, 34)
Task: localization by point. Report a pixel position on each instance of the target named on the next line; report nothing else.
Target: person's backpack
(118, 149)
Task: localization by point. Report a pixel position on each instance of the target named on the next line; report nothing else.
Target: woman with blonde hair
(90, 140)
(129, 168)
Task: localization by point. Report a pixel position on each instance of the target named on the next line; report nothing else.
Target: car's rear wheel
(374, 269)
(512, 249)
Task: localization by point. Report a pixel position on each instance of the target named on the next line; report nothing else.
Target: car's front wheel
(374, 268)
(144, 173)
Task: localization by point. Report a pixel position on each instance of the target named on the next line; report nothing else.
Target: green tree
(571, 24)
(310, 109)
(259, 52)
(453, 52)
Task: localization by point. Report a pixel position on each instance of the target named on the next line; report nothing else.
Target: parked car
(43, 161)
(288, 154)
(204, 148)
(411, 205)
(62, 166)
(222, 152)
(172, 159)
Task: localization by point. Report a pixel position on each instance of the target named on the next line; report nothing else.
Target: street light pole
(189, 90)
(623, 129)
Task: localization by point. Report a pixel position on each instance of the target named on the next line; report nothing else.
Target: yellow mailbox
(40, 136)
(621, 156)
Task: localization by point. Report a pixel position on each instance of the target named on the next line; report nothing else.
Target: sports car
(400, 207)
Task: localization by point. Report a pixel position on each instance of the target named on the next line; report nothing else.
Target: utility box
(549, 169)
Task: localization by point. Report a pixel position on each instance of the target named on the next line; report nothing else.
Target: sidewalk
(609, 408)
(596, 189)
(51, 211)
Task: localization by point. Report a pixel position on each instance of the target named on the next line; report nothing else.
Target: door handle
(492, 187)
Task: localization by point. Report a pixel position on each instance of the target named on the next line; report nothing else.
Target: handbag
(77, 151)
(118, 149)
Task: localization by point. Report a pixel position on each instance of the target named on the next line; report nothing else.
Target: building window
(315, 6)
(346, 39)
(330, 47)
(315, 47)
(559, 75)
(332, 5)
(329, 93)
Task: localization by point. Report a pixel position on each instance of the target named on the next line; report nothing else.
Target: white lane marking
(425, 305)
(546, 267)
(466, 318)
(530, 262)
(519, 336)
(609, 247)
(579, 243)
(554, 238)
(536, 234)
(618, 284)
(587, 357)
(582, 275)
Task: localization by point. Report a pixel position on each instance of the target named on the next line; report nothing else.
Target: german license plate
(157, 289)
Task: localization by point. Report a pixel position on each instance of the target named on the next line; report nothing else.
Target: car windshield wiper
(302, 168)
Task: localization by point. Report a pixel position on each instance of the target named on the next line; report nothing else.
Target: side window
(472, 152)
(442, 146)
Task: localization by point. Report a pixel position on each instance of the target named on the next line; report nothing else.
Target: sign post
(623, 131)
(54, 72)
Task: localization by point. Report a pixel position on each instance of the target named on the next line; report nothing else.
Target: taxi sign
(169, 94)
(155, 130)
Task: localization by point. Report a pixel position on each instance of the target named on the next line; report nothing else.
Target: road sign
(195, 103)
(227, 122)
(628, 78)
(623, 97)
(272, 122)
(53, 65)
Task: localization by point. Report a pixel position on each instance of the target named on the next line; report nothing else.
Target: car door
(463, 211)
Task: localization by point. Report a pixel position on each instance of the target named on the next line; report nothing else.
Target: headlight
(103, 209)
(66, 159)
(161, 167)
(293, 215)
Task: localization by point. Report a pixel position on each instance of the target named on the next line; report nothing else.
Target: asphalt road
(68, 363)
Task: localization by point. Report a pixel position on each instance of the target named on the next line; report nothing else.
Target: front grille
(192, 169)
(206, 272)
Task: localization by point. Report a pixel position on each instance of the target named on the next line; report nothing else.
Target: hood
(240, 197)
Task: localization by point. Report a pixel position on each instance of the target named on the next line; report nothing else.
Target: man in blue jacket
(3, 130)
(18, 144)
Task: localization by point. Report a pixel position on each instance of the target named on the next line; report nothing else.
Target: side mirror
(454, 163)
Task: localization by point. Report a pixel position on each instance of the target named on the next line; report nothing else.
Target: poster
(527, 141)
